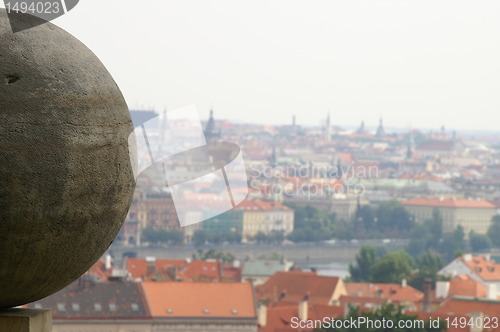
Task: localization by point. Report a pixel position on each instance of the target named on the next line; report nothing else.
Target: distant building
(369, 295)
(152, 307)
(98, 306)
(259, 271)
(282, 317)
(297, 286)
(479, 268)
(380, 129)
(436, 148)
(266, 217)
(212, 135)
(327, 130)
(187, 270)
(203, 307)
(472, 215)
(155, 210)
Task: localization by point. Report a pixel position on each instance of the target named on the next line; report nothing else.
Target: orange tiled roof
(487, 270)
(294, 286)
(449, 202)
(174, 269)
(178, 299)
(99, 270)
(395, 292)
(230, 272)
(279, 318)
(463, 285)
(466, 306)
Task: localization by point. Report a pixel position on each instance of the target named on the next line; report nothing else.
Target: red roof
(486, 269)
(178, 299)
(449, 202)
(467, 306)
(99, 270)
(279, 319)
(295, 286)
(394, 292)
(463, 285)
(174, 270)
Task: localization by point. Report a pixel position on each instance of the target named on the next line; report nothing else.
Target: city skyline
(263, 62)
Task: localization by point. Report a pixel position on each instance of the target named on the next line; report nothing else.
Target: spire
(361, 129)
(409, 147)
(380, 129)
(327, 132)
(210, 131)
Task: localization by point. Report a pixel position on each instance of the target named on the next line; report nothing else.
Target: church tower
(327, 131)
(211, 133)
(380, 129)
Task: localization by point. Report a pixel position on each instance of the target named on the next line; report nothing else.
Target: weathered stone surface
(65, 176)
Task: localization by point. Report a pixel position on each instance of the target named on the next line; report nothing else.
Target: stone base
(25, 320)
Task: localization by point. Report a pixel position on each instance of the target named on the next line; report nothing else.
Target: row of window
(61, 307)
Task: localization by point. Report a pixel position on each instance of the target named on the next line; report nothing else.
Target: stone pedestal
(25, 320)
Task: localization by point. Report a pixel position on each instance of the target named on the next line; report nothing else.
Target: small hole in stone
(11, 79)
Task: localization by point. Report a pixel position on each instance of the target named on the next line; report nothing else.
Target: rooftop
(221, 300)
(449, 202)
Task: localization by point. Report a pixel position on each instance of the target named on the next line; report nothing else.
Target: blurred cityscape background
(336, 219)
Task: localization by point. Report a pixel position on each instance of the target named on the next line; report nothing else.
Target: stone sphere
(66, 180)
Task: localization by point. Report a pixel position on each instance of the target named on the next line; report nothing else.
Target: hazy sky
(416, 63)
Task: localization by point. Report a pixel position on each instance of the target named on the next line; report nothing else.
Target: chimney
(188, 260)
(442, 289)
(107, 263)
(236, 264)
(467, 257)
(303, 310)
(426, 306)
(403, 283)
(487, 257)
(492, 291)
(262, 315)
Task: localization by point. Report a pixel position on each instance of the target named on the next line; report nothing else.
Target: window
(75, 306)
(61, 307)
(112, 306)
(97, 307)
(134, 306)
(38, 305)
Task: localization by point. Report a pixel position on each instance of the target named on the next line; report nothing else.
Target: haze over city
(420, 65)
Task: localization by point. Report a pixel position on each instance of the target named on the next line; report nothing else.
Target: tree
(419, 240)
(453, 243)
(390, 316)
(365, 260)
(427, 235)
(224, 257)
(428, 264)
(479, 242)
(494, 231)
(392, 268)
